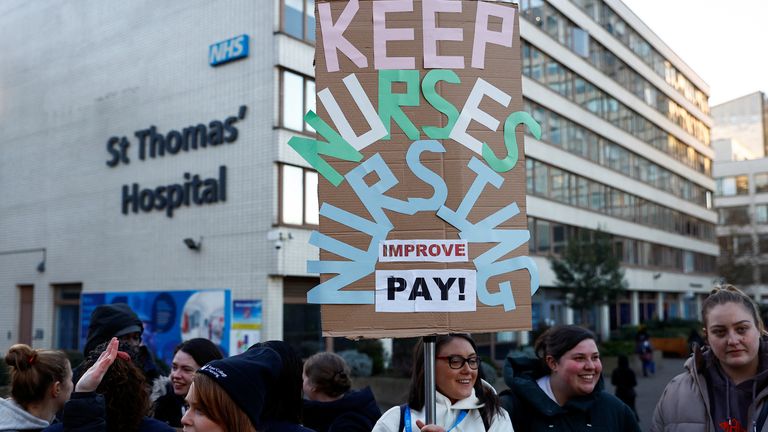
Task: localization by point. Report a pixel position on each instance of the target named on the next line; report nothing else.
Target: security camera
(279, 244)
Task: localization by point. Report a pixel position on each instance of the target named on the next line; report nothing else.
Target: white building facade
(625, 148)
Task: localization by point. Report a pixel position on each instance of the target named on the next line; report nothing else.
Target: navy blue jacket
(355, 411)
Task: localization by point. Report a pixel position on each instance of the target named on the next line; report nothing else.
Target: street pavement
(649, 389)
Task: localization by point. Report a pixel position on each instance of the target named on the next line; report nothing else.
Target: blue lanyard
(407, 421)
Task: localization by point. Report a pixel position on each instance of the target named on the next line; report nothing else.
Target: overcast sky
(725, 42)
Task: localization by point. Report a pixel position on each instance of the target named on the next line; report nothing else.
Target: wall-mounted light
(194, 245)
(40, 267)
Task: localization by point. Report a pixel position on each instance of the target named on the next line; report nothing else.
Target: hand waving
(93, 376)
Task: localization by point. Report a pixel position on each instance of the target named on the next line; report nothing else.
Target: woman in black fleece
(330, 405)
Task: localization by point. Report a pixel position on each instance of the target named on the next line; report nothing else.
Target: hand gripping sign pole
(429, 378)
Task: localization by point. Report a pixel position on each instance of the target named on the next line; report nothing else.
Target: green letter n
(337, 147)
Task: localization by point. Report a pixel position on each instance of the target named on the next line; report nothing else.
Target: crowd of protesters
(269, 388)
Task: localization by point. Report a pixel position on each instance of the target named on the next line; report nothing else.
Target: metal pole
(429, 378)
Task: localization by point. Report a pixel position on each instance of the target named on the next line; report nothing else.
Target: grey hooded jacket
(13, 418)
(684, 405)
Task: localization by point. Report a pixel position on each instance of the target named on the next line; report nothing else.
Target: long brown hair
(218, 406)
(34, 371)
(124, 388)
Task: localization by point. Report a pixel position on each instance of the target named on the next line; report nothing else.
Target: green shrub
(614, 348)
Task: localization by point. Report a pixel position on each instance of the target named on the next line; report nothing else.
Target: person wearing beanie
(229, 394)
(113, 320)
(120, 321)
(168, 393)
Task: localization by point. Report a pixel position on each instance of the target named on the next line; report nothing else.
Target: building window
(729, 186)
(761, 182)
(297, 97)
(67, 316)
(301, 321)
(299, 203)
(299, 19)
(761, 214)
(734, 215)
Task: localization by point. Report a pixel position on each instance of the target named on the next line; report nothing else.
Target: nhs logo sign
(228, 50)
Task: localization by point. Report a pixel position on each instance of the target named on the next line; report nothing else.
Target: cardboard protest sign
(423, 226)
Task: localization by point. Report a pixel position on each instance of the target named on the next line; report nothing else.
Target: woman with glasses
(562, 389)
(464, 402)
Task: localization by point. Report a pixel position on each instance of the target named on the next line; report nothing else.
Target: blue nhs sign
(228, 50)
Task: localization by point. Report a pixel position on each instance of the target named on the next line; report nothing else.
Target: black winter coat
(356, 411)
(531, 410)
(86, 412)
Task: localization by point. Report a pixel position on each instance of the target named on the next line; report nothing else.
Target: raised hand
(93, 376)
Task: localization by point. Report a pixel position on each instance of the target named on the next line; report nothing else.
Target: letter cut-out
(333, 36)
(484, 36)
(361, 264)
(472, 111)
(362, 101)
(510, 141)
(382, 34)
(432, 34)
(312, 149)
(485, 231)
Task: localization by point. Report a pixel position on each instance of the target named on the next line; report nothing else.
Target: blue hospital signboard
(169, 317)
(228, 50)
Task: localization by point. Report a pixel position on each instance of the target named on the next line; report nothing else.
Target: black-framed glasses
(457, 361)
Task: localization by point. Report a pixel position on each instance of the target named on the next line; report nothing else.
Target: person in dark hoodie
(330, 405)
(283, 408)
(562, 389)
(120, 321)
(725, 385)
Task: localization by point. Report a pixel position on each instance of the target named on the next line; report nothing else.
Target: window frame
(304, 210)
(305, 128)
(304, 22)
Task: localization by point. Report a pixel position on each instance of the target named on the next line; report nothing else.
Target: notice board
(419, 151)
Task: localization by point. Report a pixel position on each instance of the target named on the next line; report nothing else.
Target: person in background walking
(624, 380)
(330, 405)
(168, 393)
(725, 385)
(645, 351)
(562, 389)
(464, 402)
(41, 382)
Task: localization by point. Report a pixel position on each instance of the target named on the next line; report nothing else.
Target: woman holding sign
(562, 389)
(464, 402)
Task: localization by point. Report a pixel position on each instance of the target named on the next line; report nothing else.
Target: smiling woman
(562, 389)
(168, 395)
(464, 402)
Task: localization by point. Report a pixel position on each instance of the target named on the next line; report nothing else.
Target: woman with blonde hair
(41, 382)
(725, 385)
